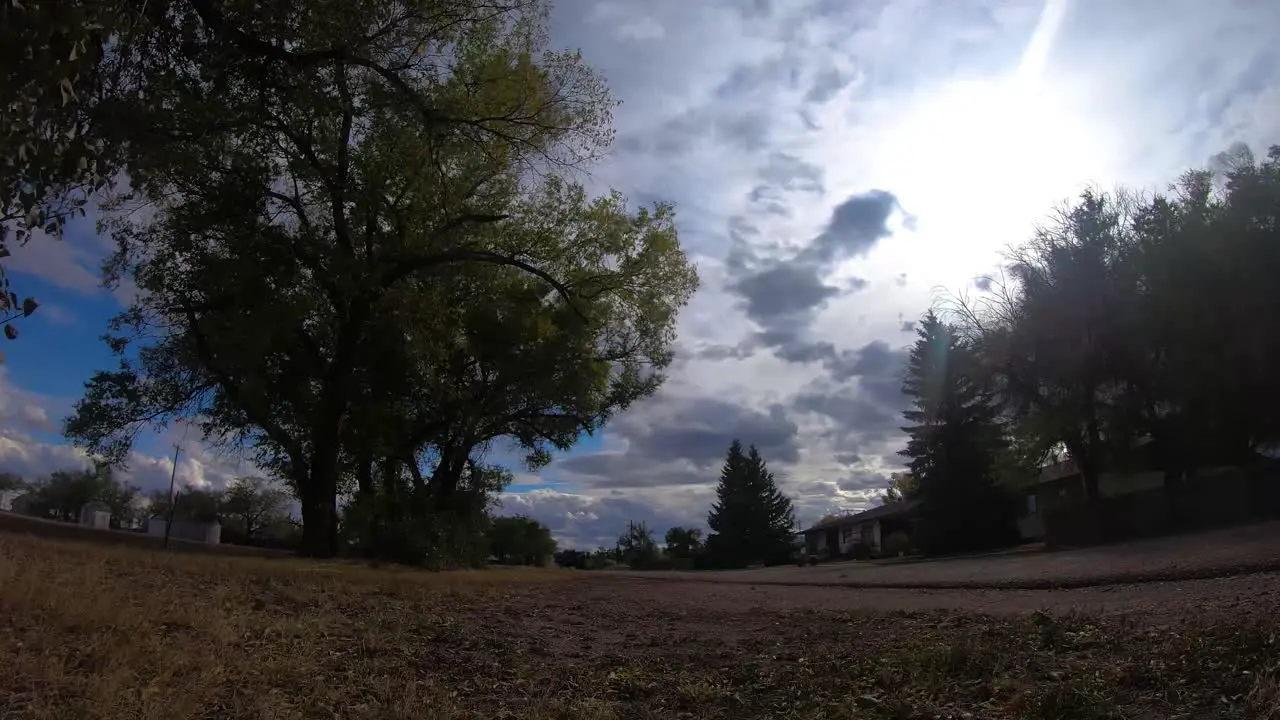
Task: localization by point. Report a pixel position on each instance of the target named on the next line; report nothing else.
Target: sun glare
(978, 160)
(981, 160)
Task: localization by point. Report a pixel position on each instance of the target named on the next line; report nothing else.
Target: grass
(89, 631)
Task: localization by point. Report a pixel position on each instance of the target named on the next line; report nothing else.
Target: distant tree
(751, 520)
(121, 497)
(252, 504)
(954, 442)
(636, 547)
(902, 486)
(192, 503)
(570, 558)
(683, 542)
(520, 539)
(65, 492)
(11, 481)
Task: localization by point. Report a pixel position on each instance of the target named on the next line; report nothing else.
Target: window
(1031, 503)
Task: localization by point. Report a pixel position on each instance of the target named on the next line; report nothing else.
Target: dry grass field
(92, 631)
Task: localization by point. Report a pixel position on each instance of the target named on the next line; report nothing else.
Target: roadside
(1215, 554)
(1227, 599)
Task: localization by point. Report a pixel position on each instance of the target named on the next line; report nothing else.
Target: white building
(189, 530)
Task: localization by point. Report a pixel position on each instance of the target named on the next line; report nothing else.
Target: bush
(859, 551)
(897, 543)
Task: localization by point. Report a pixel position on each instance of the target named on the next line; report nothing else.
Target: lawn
(93, 631)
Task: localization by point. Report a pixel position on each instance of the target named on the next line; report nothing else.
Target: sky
(834, 165)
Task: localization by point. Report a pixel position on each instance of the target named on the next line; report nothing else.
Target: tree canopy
(752, 521)
(636, 546)
(953, 445)
(520, 540)
(363, 254)
(683, 542)
(1136, 329)
(902, 486)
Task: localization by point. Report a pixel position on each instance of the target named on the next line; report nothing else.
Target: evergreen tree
(954, 442)
(751, 520)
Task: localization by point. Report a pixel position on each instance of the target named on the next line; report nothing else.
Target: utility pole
(173, 500)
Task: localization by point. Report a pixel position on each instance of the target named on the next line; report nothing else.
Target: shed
(96, 515)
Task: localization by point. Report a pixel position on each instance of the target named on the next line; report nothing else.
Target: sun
(980, 160)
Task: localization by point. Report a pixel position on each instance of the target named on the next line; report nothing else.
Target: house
(1061, 484)
(840, 535)
(20, 503)
(9, 497)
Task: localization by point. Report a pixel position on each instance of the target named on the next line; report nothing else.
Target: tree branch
(273, 430)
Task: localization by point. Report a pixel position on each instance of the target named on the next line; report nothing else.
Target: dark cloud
(861, 481)
(746, 80)
(868, 411)
(718, 353)
(983, 283)
(787, 172)
(856, 225)
(814, 488)
(783, 296)
(755, 9)
(769, 199)
(683, 443)
(855, 414)
(848, 458)
(786, 292)
(681, 135)
(826, 85)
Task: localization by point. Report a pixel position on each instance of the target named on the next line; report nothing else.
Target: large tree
(752, 520)
(363, 249)
(953, 444)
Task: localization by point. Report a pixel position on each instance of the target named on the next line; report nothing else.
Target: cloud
(71, 263)
(585, 521)
(680, 441)
(784, 296)
(30, 423)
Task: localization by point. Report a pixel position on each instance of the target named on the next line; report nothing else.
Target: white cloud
(28, 420)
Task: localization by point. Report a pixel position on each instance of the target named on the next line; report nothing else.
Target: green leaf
(11, 332)
(29, 306)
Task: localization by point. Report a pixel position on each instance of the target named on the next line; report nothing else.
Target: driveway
(1219, 553)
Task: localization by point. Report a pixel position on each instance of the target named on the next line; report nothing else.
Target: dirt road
(1248, 549)
(1245, 595)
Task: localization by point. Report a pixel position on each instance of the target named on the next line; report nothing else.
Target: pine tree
(751, 520)
(954, 442)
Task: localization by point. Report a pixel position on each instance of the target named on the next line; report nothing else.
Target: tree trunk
(364, 479)
(319, 500)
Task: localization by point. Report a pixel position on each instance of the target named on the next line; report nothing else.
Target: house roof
(888, 510)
